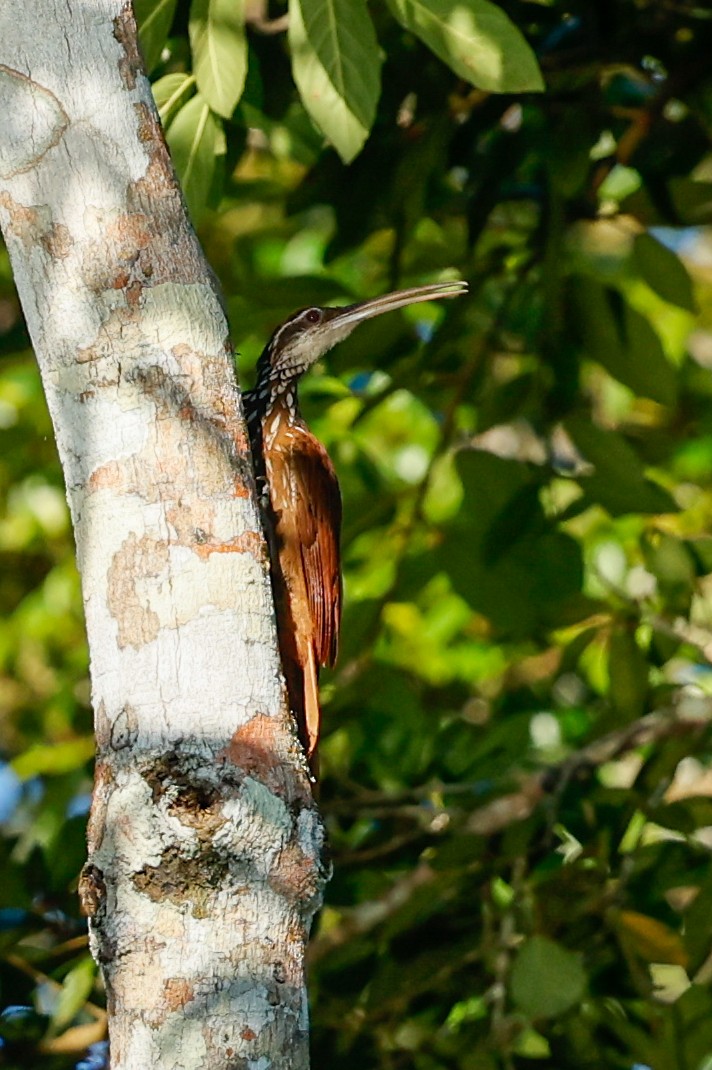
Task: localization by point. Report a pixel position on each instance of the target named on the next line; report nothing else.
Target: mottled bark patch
(26, 224)
(295, 876)
(138, 559)
(191, 521)
(191, 794)
(126, 34)
(193, 881)
(58, 241)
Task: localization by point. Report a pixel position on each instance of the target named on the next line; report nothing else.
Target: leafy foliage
(516, 764)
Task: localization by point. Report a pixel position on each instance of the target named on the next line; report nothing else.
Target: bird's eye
(312, 315)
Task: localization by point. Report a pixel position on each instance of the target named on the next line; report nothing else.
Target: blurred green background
(516, 762)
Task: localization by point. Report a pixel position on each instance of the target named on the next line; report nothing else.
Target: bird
(299, 495)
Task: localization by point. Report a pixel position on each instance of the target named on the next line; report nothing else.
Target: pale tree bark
(205, 844)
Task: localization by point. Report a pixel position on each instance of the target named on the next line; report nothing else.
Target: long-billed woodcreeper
(299, 494)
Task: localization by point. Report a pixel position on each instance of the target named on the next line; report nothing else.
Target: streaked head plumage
(311, 332)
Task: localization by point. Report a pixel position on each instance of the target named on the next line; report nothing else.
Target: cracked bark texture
(205, 845)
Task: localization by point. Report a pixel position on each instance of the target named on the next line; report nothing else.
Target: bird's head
(310, 333)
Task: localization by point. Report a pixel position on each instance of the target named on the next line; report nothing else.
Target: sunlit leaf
(195, 139)
(53, 758)
(169, 93)
(336, 65)
(219, 46)
(476, 39)
(76, 988)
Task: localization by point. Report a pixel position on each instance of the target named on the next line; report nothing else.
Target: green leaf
(195, 139)
(219, 46)
(643, 359)
(670, 561)
(54, 758)
(619, 482)
(664, 272)
(154, 18)
(168, 93)
(624, 343)
(546, 978)
(76, 988)
(628, 673)
(336, 65)
(502, 555)
(476, 39)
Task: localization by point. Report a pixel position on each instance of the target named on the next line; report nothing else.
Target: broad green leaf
(219, 46)
(195, 139)
(664, 272)
(76, 988)
(169, 93)
(501, 554)
(624, 343)
(336, 65)
(476, 39)
(644, 360)
(154, 18)
(546, 978)
(619, 482)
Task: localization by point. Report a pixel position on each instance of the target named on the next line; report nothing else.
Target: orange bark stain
(265, 749)
(249, 542)
(254, 746)
(177, 991)
(106, 476)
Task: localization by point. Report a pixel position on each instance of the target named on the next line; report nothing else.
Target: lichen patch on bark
(193, 881)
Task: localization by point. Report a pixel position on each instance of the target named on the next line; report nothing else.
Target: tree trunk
(205, 845)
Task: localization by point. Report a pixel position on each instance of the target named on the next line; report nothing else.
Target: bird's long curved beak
(364, 310)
